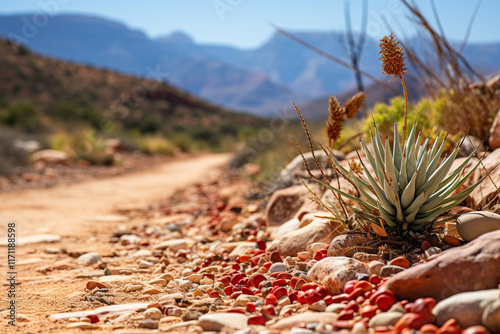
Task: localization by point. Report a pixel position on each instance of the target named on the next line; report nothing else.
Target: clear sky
(245, 23)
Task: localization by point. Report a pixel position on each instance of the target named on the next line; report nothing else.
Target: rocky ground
(212, 259)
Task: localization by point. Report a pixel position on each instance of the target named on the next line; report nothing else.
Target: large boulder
(461, 269)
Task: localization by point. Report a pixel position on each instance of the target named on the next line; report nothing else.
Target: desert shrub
(21, 115)
(10, 156)
(84, 144)
(183, 141)
(156, 145)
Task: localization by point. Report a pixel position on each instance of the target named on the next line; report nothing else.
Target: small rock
(385, 319)
(149, 324)
(219, 321)
(173, 245)
(304, 256)
(334, 272)
(473, 224)
(191, 315)
(278, 267)
(359, 328)
(88, 259)
(152, 291)
(145, 264)
(467, 307)
(158, 281)
(491, 316)
(51, 157)
(133, 287)
(153, 313)
(389, 270)
(142, 253)
(318, 306)
(81, 325)
(375, 266)
(91, 285)
(450, 228)
(195, 278)
(22, 318)
(335, 308)
(431, 251)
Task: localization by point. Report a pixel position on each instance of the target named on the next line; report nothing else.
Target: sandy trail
(71, 210)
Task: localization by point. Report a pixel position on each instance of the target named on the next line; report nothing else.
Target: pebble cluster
(191, 271)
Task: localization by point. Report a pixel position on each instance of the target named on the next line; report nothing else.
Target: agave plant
(411, 184)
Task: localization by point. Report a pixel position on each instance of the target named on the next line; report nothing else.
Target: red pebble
(312, 296)
(256, 279)
(228, 290)
(340, 298)
(261, 244)
(346, 315)
(294, 296)
(308, 286)
(236, 266)
(384, 302)
(276, 257)
(410, 320)
(349, 286)
(93, 318)
(213, 294)
(284, 276)
(236, 279)
(478, 329)
(352, 305)
(279, 282)
(423, 307)
(428, 329)
(267, 265)
(401, 262)
(368, 311)
(280, 292)
(257, 319)
(328, 300)
(250, 307)
(449, 327)
(235, 310)
(235, 294)
(243, 258)
(268, 309)
(210, 276)
(425, 245)
(355, 293)
(364, 285)
(319, 255)
(246, 291)
(297, 283)
(374, 279)
(271, 299)
(322, 291)
(343, 324)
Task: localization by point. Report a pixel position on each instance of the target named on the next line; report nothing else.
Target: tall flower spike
(392, 57)
(334, 123)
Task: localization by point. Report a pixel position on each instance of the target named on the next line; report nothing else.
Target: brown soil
(84, 215)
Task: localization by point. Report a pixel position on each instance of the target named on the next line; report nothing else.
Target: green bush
(156, 145)
(183, 141)
(21, 115)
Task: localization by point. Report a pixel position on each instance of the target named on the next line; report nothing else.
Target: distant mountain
(260, 80)
(40, 93)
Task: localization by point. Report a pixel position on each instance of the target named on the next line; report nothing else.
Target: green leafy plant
(410, 186)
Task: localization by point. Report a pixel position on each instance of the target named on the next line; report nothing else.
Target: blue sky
(245, 23)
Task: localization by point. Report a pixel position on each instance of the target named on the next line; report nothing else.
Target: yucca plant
(411, 185)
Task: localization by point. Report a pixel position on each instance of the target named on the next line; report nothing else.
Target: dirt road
(75, 209)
